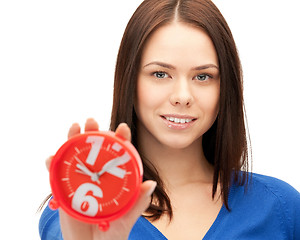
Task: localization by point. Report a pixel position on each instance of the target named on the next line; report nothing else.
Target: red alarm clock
(95, 177)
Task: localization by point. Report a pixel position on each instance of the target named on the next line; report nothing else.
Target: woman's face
(178, 86)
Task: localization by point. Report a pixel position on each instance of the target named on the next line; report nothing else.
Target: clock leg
(53, 205)
(104, 226)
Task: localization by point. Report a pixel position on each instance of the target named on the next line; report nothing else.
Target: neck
(177, 167)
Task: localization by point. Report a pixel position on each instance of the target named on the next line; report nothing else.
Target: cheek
(209, 101)
(149, 97)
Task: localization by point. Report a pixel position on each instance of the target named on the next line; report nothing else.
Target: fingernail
(151, 190)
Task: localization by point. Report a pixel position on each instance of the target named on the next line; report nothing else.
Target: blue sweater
(268, 209)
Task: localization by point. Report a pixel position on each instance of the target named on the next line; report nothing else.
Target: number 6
(86, 204)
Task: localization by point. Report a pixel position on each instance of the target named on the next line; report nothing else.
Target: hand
(73, 229)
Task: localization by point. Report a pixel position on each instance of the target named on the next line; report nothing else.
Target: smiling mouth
(179, 120)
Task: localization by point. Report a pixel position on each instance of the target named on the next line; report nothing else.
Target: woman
(178, 88)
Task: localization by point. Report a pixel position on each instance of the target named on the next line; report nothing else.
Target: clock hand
(84, 170)
(112, 166)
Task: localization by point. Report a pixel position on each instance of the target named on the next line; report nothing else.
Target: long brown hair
(225, 143)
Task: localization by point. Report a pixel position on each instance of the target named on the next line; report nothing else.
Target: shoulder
(273, 186)
(272, 199)
(265, 188)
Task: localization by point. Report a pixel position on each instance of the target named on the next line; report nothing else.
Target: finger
(48, 162)
(74, 130)
(91, 125)
(143, 202)
(123, 131)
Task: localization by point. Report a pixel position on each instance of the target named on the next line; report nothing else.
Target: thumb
(48, 162)
(142, 203)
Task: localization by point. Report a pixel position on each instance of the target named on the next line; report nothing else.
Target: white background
(56, 67)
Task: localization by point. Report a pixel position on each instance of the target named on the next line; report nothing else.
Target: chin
(179, 143)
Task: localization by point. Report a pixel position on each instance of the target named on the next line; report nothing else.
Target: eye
(202, 77)
(160, 75)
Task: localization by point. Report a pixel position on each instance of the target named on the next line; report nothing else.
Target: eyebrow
(169, 66)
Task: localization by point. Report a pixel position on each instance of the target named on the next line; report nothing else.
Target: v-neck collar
(209, 234)
(223, 212)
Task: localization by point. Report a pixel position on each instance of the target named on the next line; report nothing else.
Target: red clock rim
(57, 195)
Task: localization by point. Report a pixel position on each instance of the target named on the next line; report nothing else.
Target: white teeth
(178, 120)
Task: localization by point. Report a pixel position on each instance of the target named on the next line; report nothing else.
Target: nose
(181, 94)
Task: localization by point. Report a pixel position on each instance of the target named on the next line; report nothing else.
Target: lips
(178, 121)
